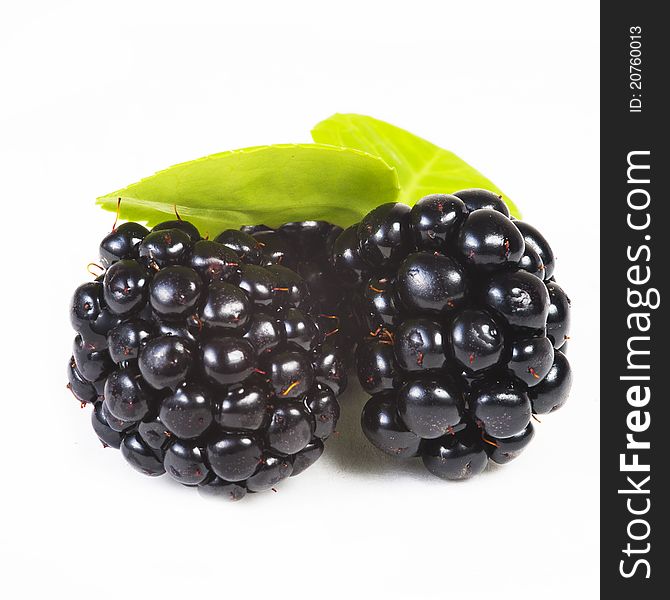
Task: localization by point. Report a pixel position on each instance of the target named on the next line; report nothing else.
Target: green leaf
(264, 184)
(423, 168)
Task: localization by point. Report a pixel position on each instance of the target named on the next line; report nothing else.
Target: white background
(96, 95)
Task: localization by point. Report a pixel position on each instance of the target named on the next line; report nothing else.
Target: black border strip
(635, 339)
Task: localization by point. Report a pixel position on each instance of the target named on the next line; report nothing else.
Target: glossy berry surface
(290, 373)
(382, 425)
(164, 248)
(380, 303)
(265, 332)
(384, 234)
(127, 338)
(477, 339)
(140, 456)
(476, 199)
(127, 396)
(459, 324)
(244, 406)
(212, 360)
(175, 291)
(419, 345)
(291, 428)
(106, 435)
(502, 451)
(187, 412)
(245, 246)
(184, 226)
(431, 283)
(225, 306)
(455, 457)
(307, 457)
(165, 361)
(185, 462)
(93, 364)
(122, 243)
(500, 407)
(322, 403)
(531, 359)
(220, 488)
(213, 261)
(376, 365)
(435, 219)
(531, 262)
(488, 238)
(521, 298)
(125, 287)
(558, 319)
(430, 406)
(552, 392)
(330, 367)
(82, 389)
(269, 473)
(347, 261)
(537, 242)
(234, 456)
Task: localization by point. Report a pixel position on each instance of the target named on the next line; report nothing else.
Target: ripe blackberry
(464, 326)
(212, 361)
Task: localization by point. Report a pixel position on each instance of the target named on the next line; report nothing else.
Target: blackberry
(212, 361)
(464, 323)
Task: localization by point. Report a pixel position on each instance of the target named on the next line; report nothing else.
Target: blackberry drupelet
(464, 322)
(212, 361)
(305, 248)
